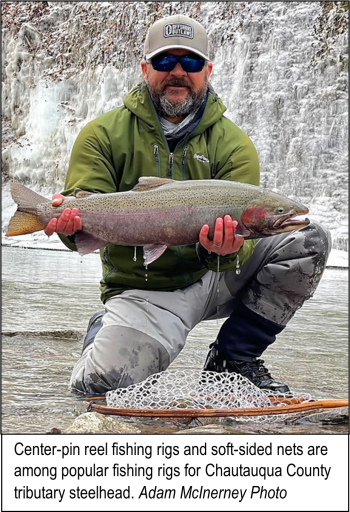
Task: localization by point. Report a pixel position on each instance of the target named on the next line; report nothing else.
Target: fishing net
(186, 393)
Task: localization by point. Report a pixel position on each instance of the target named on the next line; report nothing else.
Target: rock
(219, 429)
(324, 417)
(95, 423)
(55, 430)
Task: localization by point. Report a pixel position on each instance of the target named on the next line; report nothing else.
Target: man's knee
(318, 243)
(291, 273)
(118, 357)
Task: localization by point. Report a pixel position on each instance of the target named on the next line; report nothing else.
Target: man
(172, 125)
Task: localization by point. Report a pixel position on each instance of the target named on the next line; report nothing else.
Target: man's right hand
(69, 221)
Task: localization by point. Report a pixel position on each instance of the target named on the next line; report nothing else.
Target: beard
(166, 108)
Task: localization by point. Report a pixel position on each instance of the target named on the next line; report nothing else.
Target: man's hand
(68, 223)
(224, 241)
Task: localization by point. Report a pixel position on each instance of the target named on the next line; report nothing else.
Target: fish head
(271, 213)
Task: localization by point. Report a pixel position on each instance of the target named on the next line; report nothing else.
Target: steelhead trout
(158, 213)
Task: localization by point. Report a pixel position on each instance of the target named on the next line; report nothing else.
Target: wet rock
(225, 429)
(95, 423)
(55, 430)
(329, 417)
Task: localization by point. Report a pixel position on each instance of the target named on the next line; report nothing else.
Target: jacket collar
(139, 102)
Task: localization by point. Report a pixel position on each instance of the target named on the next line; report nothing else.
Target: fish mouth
(290, 223)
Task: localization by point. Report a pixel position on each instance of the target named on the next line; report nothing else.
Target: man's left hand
(224, 241)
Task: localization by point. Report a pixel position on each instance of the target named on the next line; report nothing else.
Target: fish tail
(25, 220)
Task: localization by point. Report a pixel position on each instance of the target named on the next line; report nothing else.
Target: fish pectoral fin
(242, 231)
(152, 252)
(149, 182)
(87, 243)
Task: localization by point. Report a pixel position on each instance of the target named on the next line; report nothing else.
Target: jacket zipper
(170, 174)
(183, 168)
(183, 175)
(171, 163)
(156, 157)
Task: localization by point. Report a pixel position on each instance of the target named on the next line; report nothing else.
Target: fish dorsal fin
(79, 193)
(149, 182)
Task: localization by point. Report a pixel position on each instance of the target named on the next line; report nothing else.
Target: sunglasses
(167, 62)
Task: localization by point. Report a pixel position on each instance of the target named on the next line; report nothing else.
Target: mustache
(177, 82)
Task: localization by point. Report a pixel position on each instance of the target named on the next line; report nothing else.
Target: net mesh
(196, 389)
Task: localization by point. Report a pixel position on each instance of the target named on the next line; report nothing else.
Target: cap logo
(178, 30)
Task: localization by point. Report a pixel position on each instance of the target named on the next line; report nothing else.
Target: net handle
(195, 413)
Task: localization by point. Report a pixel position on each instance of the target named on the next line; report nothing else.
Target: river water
(48, 297)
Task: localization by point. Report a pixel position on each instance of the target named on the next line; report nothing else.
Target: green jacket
(114, 150)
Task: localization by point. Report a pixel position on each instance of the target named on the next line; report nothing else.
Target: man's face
(176, 93)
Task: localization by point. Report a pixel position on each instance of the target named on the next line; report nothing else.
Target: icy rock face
(281, 68)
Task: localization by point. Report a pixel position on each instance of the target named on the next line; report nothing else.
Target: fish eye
(280, 209)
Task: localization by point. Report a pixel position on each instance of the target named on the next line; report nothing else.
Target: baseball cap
(176, 31)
